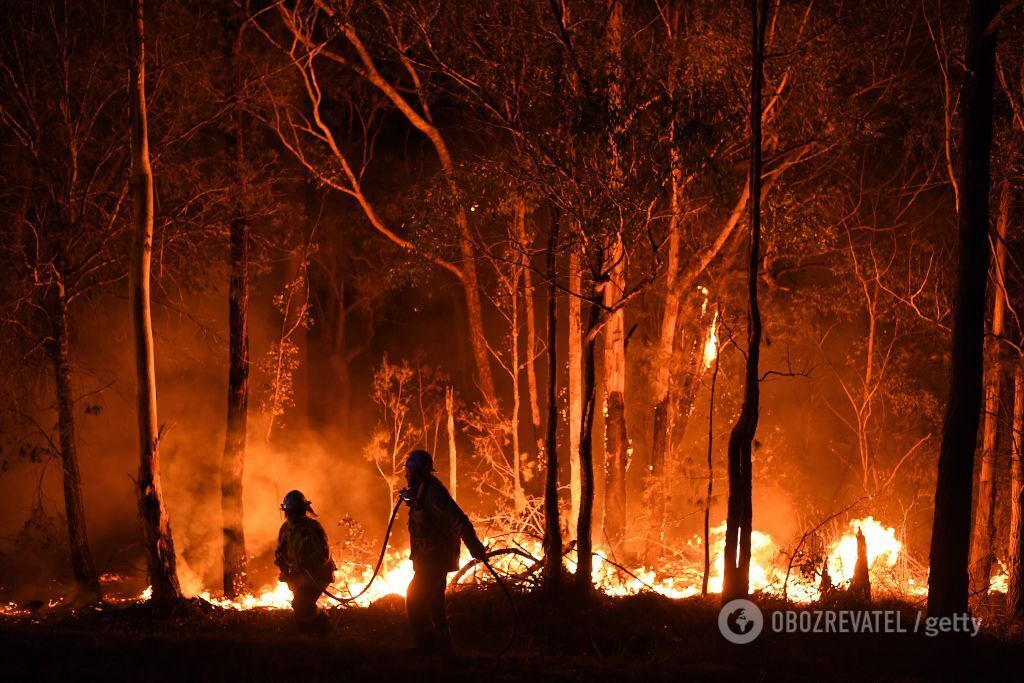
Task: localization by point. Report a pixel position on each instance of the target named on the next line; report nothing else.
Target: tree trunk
(662, 382)
(684, 395)
(156, 524)
(534, 484)
(736, 575)
(711, 482)
(670, 314)
(616, 436)
(453, 468)
(86, 579)
(575, 387)
(233, 463)
(474, 312)
(552, 525)
(951, 526)
(984, 532)
(518, 495)
(584, 542)
(861, 584)
(1015, 556)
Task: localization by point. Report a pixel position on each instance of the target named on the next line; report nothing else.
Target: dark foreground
(637, 638)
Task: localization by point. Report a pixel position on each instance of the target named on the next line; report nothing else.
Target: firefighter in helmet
(304, 558)
(436, 526)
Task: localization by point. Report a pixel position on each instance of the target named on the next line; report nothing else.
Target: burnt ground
(644, 637)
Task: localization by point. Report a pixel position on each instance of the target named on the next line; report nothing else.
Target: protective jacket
(436, 525)
(303, 552)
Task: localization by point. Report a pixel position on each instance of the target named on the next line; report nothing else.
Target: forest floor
(644, 637)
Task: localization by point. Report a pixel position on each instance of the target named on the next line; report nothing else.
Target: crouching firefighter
(436, 526)
(304, 558)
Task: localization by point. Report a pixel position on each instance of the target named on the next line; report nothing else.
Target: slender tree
(584, 540)
(575, 391)
(951, 527)
(305, 30)
(736, 576)
(1015, 555)
(233, 461)
(669, 324)
(62, 198)
(552, 524)
(617, 449)
(156, 523)
(524, 236)
(711, 479)
(984, 532)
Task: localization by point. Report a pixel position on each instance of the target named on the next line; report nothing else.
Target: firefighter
(304, 558)
(436, 526)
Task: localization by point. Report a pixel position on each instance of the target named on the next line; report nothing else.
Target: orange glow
(767, 571)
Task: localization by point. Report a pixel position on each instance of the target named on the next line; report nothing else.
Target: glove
(477, 550)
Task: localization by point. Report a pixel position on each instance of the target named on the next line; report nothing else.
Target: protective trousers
(308, 617)
(424, 602)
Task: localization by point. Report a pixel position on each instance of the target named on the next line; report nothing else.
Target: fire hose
(380, 562)
(376, 569)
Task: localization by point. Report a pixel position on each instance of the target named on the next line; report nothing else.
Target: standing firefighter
(436, 526)
(304, 558)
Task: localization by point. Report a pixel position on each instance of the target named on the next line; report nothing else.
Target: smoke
(192, 397)
(799, 467)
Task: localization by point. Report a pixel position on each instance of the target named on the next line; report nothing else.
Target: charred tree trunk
(951, 526)
(156, 524)
(584, 541)
(736, 575)
(86, 579)
(233, 463)
(1015, 556)
(552, 524)
(575, 390)
(861, 584)
(984, 533)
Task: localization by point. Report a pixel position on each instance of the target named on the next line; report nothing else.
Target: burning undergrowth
(807, 574)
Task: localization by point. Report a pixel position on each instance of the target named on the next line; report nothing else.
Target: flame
(882, 546)
(680, 578)
(711, 343)
(1000, 582)
(278, 597)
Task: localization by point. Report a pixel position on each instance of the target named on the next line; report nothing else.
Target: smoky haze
(798, 436)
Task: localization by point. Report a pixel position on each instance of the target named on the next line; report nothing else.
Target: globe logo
(740, 621)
